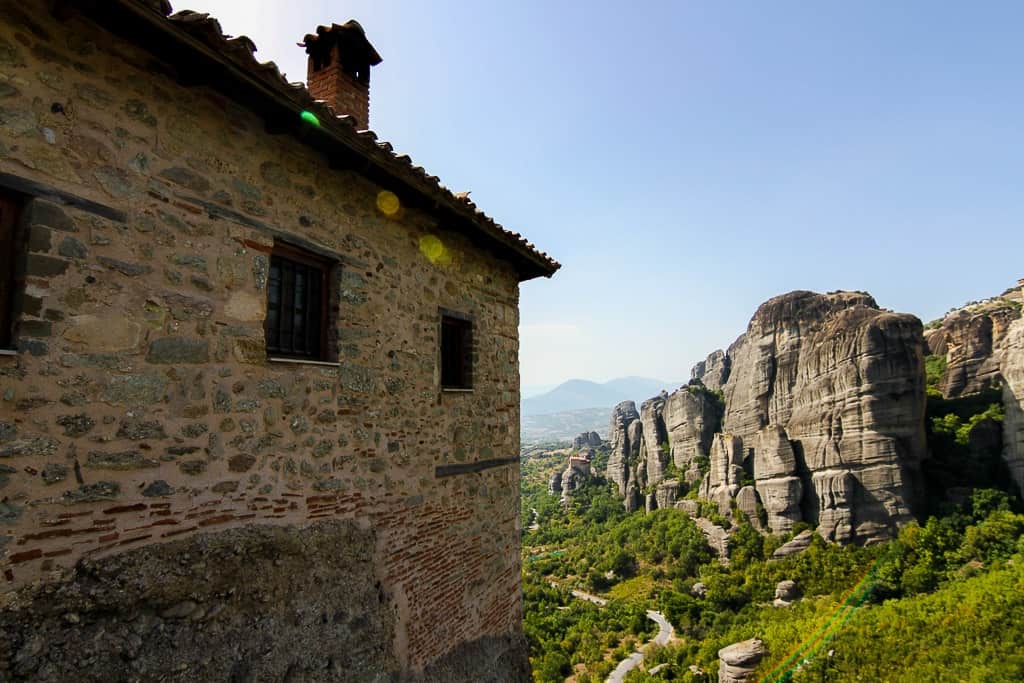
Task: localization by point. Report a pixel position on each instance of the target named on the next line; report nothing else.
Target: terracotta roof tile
(240, 51)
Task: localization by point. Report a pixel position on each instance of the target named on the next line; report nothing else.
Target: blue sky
(687, 160)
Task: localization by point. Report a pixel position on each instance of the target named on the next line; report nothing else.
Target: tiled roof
(239, 52)
(312, 39)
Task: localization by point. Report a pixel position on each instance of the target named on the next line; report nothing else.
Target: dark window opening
(297, 303)
(10, 206)
(456, 352)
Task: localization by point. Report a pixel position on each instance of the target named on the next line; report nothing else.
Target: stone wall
(141, 410)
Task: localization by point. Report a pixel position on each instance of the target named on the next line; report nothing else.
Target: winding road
(665, 633)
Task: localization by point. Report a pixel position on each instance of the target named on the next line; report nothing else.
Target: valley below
(835, 497)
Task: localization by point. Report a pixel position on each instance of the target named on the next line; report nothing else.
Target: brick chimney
(340, 58)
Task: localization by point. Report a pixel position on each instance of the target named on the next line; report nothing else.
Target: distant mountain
(580, 394)
(564, 426)
(530, 390)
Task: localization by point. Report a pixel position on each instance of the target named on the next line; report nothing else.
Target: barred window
(297, 304)
(456, 351)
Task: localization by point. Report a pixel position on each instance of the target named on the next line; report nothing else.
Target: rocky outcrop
(823, 420)
(654, 447)
(740, 660)
(748, 502)
(586, 440)
(716, 536)
(786, 592)
(691, 419)
(800, 543)
(666, 494)
(834, 489)
(625, 445)
(634, 499)
(713, 372)
(845, 381)
(971, 340)
(722, 482)
(1012, 363)
(669, 430)
(777, 480)
(575, 476)
(163, 612)
(690, 508)
(555, 483)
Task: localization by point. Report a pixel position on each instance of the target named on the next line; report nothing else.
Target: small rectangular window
(10, 206)
(298, 294)
(456, 351)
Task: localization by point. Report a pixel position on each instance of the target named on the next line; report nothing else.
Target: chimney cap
(351, 34)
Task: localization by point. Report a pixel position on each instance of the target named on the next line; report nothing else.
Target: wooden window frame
(284, 252)
(456, 351)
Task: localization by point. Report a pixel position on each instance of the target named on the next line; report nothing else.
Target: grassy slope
(968, 630)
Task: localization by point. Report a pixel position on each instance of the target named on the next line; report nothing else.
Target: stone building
(259, 391)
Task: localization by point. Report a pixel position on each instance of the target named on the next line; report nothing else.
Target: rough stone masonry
(174, 505)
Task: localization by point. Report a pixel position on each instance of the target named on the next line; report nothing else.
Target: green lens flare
(310, 118)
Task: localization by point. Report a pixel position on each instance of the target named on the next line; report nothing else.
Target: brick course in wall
(140, 407)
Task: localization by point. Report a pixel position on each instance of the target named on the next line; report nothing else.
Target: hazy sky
(687, 160)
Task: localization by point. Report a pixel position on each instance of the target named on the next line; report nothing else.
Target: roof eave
(140, 18)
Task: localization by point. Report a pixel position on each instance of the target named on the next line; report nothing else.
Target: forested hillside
(936, 603)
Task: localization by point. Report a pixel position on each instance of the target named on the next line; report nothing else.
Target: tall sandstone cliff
(972, 339)
(823, 420)
(670, 433)
(1012, 367)
(623, 460)
(983, 346)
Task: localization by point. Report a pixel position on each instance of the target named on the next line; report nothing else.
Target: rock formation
(748, 502)
(691, 419)
(1012, 364)
(844, 380)
(713, 372)
(971, 339)
(786, 592)
(586, 440)
(575, 475)
(800, 543)
(740, 660)
(717, 537)
(625, 445)
(823, 420)
(666, 494)
(722, 481)
(983, 346)
(652, 422)
(778, 485)
(690, 508)
(671, 431)
(555, 483)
